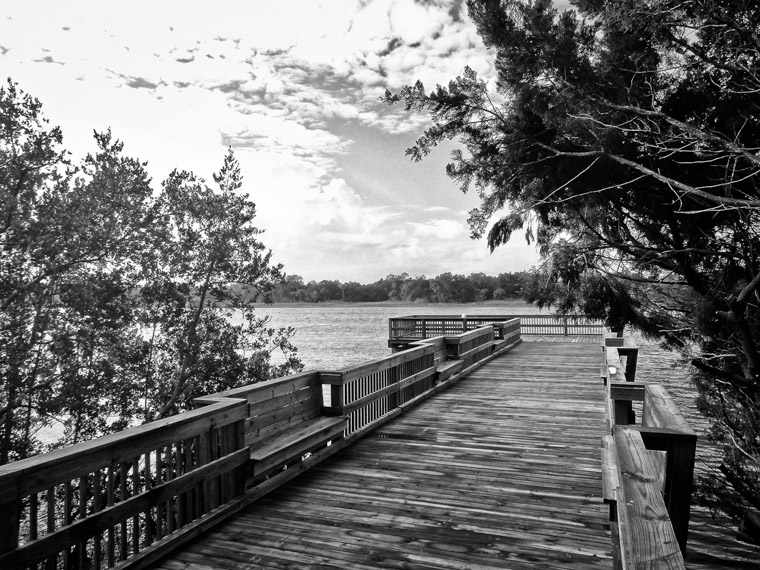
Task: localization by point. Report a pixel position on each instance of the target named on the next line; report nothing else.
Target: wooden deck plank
(501, 470)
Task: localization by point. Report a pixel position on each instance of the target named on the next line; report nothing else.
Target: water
(334, 336)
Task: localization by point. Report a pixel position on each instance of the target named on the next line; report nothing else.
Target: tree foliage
(623, 138)
(117, 302)
(445, 288)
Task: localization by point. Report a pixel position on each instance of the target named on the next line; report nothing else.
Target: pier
(481, 442)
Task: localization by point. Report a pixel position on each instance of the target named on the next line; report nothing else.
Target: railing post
(9, 521)
(679, 475)
(624, 414)
(565, 319)
(631, 354)
(337, 388)
(678, 486)
(394, 399)
(241, 472)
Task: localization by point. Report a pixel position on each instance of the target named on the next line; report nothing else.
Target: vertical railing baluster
(66, 519)
(136, 519)
(204, 456)
(123, 538)
(168, 475)
(214, 454)
(82, 544)
(33, 514)
(50, 506)
(111, 544)
(160, 507)
(149, 511)
(187, 467)
(96, 507)
(182, 498)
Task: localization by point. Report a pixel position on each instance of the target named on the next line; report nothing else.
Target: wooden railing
(560, 325)
(125, 499)
(470, 347)
(372, 391)
(647, 467)
(123, 496)
(508, 331)
(369, 392)
(427, 326)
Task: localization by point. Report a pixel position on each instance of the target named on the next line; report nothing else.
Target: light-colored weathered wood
(647, 537)
(383, 392)
(298, 441)
(659, 460)
(661, 411)
(448, 368)
(610, 481)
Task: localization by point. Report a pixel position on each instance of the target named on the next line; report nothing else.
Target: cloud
(440, 229)
(294, 86)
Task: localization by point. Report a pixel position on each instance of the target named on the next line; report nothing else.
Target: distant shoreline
(490, 303)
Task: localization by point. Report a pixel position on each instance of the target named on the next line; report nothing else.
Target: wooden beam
(631, 391)
(646, 534)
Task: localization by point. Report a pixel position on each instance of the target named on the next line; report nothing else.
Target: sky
(294, 87)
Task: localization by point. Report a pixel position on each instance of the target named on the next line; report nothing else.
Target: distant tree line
(445, 288)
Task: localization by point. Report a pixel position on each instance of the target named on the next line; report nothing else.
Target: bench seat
(291, 445)
(447, 369)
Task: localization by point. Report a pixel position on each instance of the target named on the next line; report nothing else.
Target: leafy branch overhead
(624, 138)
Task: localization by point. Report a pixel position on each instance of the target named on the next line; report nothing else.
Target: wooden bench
(447, 369)
(286, 422)
(444, 368)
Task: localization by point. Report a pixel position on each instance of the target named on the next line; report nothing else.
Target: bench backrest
(278, 405)
(439, 342)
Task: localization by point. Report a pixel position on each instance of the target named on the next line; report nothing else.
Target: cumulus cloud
(286, 84)
(440, 229)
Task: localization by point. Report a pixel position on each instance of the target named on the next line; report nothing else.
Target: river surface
(334, 336)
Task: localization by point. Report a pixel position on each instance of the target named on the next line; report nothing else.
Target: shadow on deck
(502, 470)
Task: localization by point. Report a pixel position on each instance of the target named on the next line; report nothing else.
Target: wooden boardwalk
(500, 471)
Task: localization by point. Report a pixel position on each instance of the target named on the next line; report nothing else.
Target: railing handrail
(102, 499)
(495, 317)
(248, 389)
(350, 372)
(61, 461)
(403, 329)
(469, 335)
(663, 429)
(645, 530)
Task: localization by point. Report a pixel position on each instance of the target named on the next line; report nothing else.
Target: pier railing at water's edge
(126, 499)
(426, 326)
